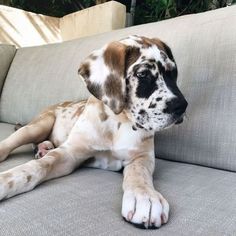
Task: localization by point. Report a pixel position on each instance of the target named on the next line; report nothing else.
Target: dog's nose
(176, 106)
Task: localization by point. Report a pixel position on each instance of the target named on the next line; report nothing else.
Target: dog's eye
(142, 74)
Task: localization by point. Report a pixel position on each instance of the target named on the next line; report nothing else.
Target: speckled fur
(113, 129)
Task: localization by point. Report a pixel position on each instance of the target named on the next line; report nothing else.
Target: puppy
(134, 95)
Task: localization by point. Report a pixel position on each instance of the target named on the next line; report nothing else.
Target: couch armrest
(94, 20)
(7, 53)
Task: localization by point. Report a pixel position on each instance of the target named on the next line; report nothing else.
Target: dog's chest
(110, 137)
(115, 153)
(125, 139)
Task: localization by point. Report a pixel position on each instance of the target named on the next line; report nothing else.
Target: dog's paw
(145, 210)
(42, 149)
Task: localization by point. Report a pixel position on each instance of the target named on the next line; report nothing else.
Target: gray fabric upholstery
(88, 202)
(204, 48)
(7, 53)
(207, 65)
(39, 77)
(20, 154)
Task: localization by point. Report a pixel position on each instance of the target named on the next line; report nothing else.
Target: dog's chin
(179, 121)
(172, 122)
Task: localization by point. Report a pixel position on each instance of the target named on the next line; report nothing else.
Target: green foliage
(155, 10)
(52, 7)
(146, 10)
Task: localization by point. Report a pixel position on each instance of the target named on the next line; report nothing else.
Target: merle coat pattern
(134, 95)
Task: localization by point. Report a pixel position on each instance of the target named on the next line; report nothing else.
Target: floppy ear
(104, 71)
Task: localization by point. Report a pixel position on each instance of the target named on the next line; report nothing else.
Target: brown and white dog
(133, 83)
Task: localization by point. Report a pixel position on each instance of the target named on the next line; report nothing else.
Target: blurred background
(143, 11)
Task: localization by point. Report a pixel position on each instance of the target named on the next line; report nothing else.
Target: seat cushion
(88, 202)
(19, 155)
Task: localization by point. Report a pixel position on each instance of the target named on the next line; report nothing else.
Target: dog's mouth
(179, 121)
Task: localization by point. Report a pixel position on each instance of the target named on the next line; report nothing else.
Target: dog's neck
(106, 112)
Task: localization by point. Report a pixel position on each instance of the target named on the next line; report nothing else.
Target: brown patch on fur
(158, 43)
(103, 115)
(29, 177)
(109, 136)
(65, 104)
(144, 42)
(114, 57)
(164, 47)
(80, 109)
(113, 87)
(10, 184)
(147, 42)
(84, 70)
(146, 138)
(132, 55)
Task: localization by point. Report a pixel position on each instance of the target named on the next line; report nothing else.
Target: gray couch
(196, 162)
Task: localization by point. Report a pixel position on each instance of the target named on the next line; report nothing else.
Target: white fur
(107, 142)
(142, 208)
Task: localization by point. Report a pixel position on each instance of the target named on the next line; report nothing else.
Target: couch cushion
(39, 77)
(88, 202)
(21, 154)
(207, 62)
(7, 53)
(204, 48)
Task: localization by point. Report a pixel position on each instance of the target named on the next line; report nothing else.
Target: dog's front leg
(142, 205)
(58, 162)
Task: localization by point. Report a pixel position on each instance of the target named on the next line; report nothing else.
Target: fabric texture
(204, 48)
(39, 77)
(88, 202)
(7, 53)
(207, 66)
(19, 154)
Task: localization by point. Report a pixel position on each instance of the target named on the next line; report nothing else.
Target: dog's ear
(168, 65)
(104, 74)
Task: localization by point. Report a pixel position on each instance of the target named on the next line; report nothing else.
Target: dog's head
(138, 75)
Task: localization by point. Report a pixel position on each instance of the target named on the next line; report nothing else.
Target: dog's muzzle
(176, 107)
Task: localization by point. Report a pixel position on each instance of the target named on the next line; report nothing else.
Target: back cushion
(207, 66)
(7, 53)
(39, 77)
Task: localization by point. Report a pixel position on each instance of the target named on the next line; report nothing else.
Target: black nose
(176, 106)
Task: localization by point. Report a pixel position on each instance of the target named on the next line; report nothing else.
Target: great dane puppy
(134, 95)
